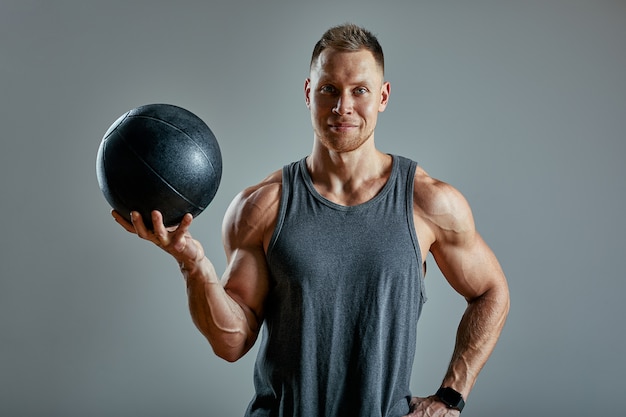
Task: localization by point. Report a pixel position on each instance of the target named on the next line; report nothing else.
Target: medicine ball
(159, 157)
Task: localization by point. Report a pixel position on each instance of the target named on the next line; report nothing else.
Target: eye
(328, 89)
(360, 91)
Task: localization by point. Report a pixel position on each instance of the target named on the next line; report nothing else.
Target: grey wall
(519, 104)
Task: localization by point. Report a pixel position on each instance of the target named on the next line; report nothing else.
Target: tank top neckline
(308, 181)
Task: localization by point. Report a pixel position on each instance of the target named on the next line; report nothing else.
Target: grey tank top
(339, 334)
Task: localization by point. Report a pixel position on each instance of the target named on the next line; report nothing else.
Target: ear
(307, 92)
(384, 96)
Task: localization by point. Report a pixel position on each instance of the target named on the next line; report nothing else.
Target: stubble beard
(342, 143)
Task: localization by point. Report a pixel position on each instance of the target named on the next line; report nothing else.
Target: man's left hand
(430, 407)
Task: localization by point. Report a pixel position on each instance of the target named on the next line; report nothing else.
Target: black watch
(451, 398)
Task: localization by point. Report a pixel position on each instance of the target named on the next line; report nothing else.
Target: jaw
(343, 143)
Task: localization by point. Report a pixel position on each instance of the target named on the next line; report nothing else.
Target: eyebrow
(362, 82)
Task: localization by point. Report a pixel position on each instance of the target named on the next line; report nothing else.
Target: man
(329, 253)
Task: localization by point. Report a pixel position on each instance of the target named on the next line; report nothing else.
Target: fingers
(140, 227)
(123, 222)
(430, 406)
(158, 235)
(135, 226)
(179, 239)
(158, 228)
(415, 402)
(171, 239)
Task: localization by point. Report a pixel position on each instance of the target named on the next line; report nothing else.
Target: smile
(342, 126)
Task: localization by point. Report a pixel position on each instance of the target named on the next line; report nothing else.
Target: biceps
(247, 281)
(470, 267)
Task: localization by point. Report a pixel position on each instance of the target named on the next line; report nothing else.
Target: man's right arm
(227, 311)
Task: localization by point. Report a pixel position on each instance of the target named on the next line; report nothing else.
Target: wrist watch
(451, 398)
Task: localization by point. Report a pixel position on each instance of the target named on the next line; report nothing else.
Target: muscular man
(328, 253)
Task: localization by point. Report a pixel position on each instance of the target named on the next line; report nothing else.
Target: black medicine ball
(159, 157)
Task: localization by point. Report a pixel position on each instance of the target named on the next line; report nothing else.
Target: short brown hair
(349, 37)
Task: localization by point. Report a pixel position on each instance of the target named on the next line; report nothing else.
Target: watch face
(449, 397)
(453, 396)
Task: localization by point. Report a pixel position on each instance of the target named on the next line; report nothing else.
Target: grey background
(521, 105)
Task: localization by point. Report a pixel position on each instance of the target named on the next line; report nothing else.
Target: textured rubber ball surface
(159, 157)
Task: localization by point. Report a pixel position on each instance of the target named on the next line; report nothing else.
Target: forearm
(229, 326)
(477, 335)
(215, 313)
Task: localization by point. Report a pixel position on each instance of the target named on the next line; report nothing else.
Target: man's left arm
(471, 268)
(473, 271)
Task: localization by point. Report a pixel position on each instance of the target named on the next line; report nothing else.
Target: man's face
(345, 93)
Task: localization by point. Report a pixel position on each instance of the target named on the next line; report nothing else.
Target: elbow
(496, 301)
(228, 356)
(502, 302)
(505, 299)
(231, 349)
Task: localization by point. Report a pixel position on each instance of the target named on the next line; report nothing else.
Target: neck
(349, 178)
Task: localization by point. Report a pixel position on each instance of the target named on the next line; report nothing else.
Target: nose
(344, 104)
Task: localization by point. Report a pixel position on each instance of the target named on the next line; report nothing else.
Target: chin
(341, 145)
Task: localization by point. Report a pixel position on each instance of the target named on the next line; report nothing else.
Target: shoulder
(259, 196)
(253, 212)
(442, 207)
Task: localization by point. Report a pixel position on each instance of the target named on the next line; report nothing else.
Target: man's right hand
(175, 240)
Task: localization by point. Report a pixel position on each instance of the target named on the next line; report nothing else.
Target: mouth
(341, 127)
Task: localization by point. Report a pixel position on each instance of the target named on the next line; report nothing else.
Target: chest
(330, 250)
